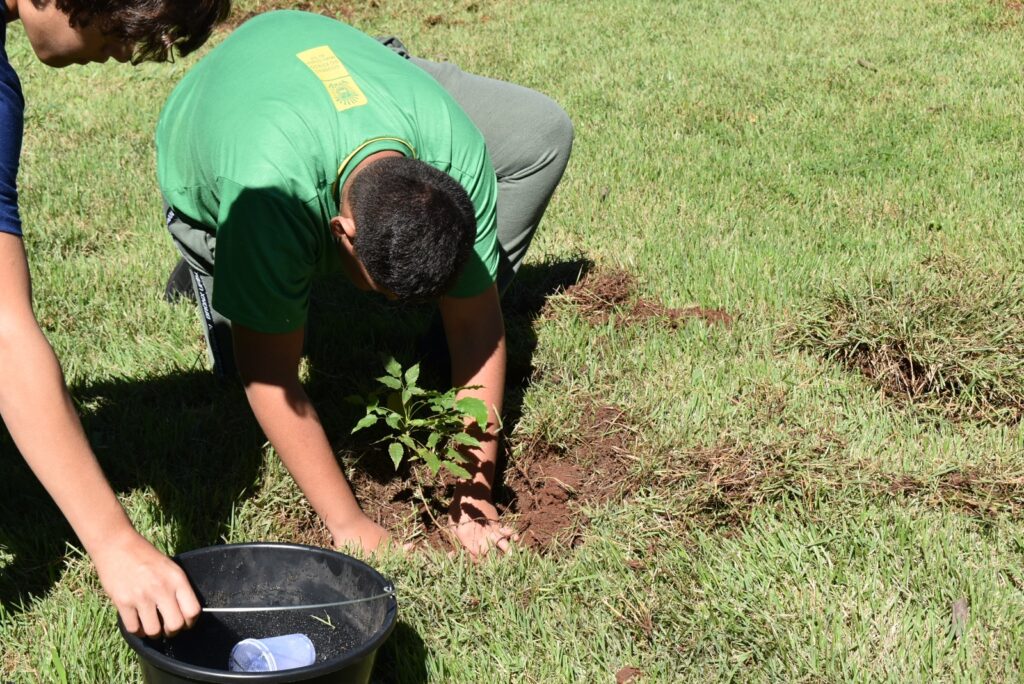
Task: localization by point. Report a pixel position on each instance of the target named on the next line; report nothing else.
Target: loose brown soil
(627, 674)
(544, 492)
(601, 294)
(333, 10)
(300, 525)
(546, 487)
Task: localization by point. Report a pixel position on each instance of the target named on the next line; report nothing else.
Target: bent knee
(557, 130)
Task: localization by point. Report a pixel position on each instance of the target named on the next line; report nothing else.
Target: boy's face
(58, 44)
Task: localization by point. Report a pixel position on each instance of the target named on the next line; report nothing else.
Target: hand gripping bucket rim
(193, 673)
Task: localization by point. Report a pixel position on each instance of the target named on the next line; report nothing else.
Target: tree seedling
(425, 424)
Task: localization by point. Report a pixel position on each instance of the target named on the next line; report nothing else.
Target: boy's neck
(346, 209)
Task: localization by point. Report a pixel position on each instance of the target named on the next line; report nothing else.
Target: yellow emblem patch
(335, 77)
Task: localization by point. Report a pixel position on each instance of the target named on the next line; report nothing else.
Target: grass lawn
(821, 479)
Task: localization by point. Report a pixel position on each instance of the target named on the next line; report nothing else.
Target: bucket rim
(204, 674)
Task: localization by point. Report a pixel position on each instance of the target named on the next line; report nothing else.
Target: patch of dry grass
(949, 339)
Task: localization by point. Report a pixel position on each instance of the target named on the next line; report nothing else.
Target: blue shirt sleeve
(12, 123)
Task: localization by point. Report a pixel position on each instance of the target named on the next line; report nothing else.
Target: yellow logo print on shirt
(335, 77)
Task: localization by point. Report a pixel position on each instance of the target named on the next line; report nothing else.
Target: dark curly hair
(156, 27)
(415, 227)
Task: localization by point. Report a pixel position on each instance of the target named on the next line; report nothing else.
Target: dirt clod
(627, 674)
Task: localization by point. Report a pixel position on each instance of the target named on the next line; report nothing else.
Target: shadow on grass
(402, 658)
(188, 438)
(193, 442)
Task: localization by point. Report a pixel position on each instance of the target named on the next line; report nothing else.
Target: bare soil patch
(545, 486)
(599, 295)
(543, 494)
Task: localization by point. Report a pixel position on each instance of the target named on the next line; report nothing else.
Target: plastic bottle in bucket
(272, 654)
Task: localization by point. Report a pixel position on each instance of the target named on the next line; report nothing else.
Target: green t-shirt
(260, 135)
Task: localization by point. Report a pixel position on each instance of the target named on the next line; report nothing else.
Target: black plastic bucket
(346, 637)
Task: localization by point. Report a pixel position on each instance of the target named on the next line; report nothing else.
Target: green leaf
(394, 421)
(396, 451)
(467, 439)
(433, 439)
(475, 408)
(406, 396)
(412, 375)
(455, 456)
(388, 381)
(456, 470)
(393, 368)
(431, 459)
(365, 422)
(58, 665)
(408, 441)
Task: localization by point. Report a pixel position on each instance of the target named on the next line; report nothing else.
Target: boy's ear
(343, 226)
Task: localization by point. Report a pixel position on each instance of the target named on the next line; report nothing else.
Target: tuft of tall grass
(948, 338)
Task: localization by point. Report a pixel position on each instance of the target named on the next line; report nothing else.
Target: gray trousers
(529, 139)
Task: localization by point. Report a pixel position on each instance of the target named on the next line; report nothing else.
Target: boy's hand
(149, 590)
(361, 533)
(474, 522)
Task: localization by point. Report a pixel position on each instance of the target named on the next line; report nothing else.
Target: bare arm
(38, 412)
(268, 365)
(476, 342)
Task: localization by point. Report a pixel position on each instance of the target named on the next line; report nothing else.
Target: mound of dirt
(546, 486)
(601, 294)
(543, 493)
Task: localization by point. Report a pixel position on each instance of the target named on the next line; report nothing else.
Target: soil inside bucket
(269, 590)
(210, 642)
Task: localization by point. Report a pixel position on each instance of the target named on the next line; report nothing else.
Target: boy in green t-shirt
(300, 146)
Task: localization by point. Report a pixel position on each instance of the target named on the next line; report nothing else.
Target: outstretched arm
(149, 590)
(476, 342)
(268, 365)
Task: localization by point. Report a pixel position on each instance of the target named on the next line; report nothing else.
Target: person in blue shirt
(150, 591)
